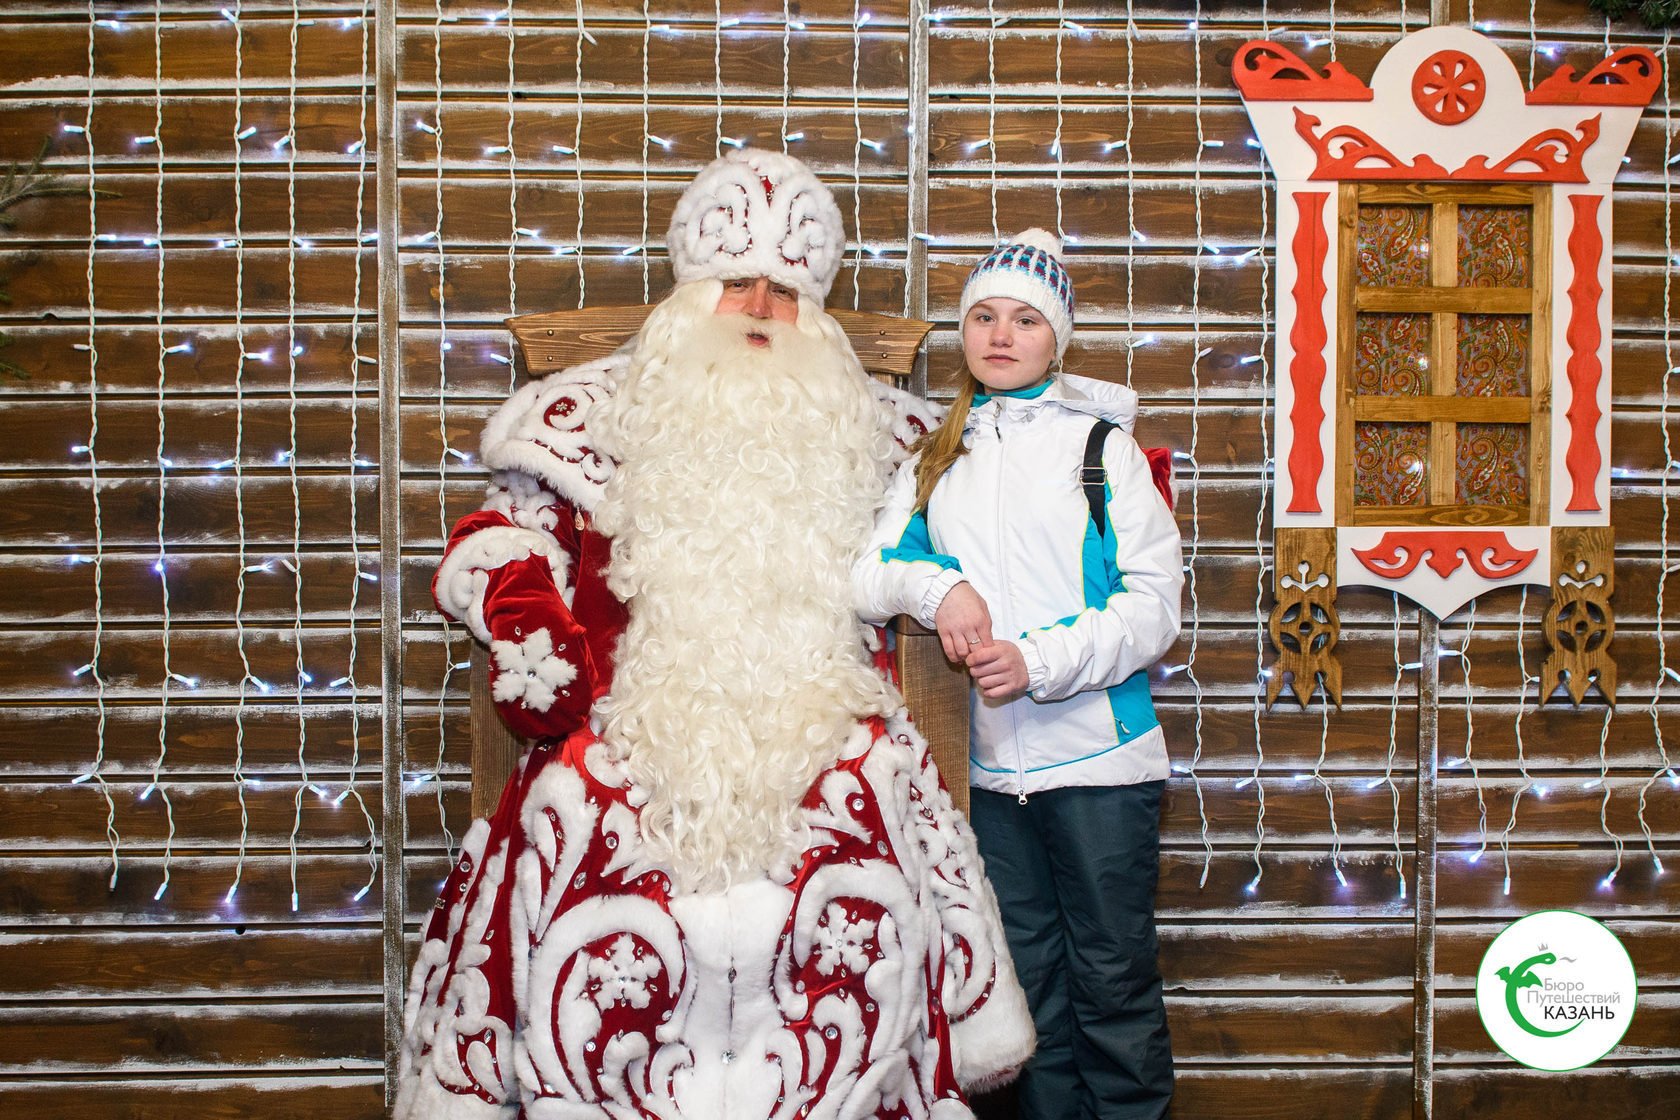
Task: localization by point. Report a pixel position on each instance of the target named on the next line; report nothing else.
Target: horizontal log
(132, 662)
(124, 360)
(61, 817)
(194, 128)
(197, 282)
(205, 1037)
(200, 510)
(749, 62)
(1505, 1092)
(1549, 880)
(1653, 946)
(327, 1096)
(58, 589)
(1339, 1028)
(256, 434)
(1288, 1094)
(1569, 809)
(1652, 1030)
(41, 891)
(42, 741)
(181, 964)
(197, 53)
(1262, 960)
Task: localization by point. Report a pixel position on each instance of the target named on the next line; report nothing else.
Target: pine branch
(20, 186)
(1657, 14)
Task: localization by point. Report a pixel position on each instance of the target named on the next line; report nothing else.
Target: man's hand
(999, 670)
(963, 622)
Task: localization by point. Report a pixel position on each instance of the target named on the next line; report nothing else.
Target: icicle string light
(1329, 792)
(94, 669)
(1056, 145)
(991, 112)
(1604, 803)
(444, 448)
(514, 231)
(718, 76)
(577, 150)
(647, 138)
(1469, 759)
(1664, 566)
(1260, 565)
(857, 156)
(1522, 755)
(292, 352)
(356, 574)
(787, 34)
(246, 677)
(1393, 747)
(162, 566)
(1131, 195)
(1198, 352)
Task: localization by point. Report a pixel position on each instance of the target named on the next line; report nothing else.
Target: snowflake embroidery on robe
(842, 942)
(531, 671)
(622, 975)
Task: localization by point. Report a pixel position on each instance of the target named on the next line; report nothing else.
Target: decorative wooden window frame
(1445, 121)
(1443, 300)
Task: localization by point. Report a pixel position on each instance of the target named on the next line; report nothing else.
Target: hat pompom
(1039, 239)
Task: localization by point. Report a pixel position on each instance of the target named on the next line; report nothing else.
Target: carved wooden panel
(1304, 624)
(1580, 622)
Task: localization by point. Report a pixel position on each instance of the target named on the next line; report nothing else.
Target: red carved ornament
(1267, 72)
(1490, 554)
(1586, 248)
(1448, 87)
(1307, 338)
(1628, 77)
(1551, 156)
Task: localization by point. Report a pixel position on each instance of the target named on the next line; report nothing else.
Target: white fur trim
(908, 411)
(542, 430)
(462, 575)
(727, 225)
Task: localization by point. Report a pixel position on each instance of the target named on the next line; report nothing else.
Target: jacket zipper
(1003, 589)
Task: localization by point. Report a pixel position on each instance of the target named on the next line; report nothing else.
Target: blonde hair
(944, 446)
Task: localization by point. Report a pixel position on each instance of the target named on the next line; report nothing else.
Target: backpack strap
(1092, 476)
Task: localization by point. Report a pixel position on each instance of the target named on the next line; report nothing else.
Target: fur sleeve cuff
(459, 586)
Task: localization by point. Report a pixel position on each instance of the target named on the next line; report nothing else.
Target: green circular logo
(1556, 990)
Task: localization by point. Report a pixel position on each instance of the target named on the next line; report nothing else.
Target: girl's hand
(963, 622)
(999, 670)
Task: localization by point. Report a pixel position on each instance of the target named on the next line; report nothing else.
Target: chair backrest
(887, 345)
(556, 340)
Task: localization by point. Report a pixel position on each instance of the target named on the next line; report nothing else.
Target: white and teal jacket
(1090, 614)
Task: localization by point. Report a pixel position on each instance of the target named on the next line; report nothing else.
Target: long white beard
(747, 481)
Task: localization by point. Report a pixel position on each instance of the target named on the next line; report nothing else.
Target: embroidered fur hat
(758, 213)
(1027, 267)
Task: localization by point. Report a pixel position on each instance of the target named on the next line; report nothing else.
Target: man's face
(758, 297)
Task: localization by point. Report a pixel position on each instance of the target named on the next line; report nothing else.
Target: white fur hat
(758, 213)
(1027, 267)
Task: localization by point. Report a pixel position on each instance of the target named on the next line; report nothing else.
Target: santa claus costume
(726, 881)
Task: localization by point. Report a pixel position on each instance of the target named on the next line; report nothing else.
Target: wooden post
(1423, 906)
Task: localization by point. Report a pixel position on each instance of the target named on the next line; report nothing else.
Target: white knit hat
(758, 213)
(1027, 267)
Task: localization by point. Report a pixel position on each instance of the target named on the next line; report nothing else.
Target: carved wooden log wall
(1297, 996)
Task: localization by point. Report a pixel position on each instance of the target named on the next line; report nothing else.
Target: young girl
(1058, 604)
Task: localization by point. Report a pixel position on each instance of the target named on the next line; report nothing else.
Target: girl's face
(1007, 344)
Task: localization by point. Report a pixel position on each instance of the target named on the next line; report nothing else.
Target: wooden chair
(936, 692)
